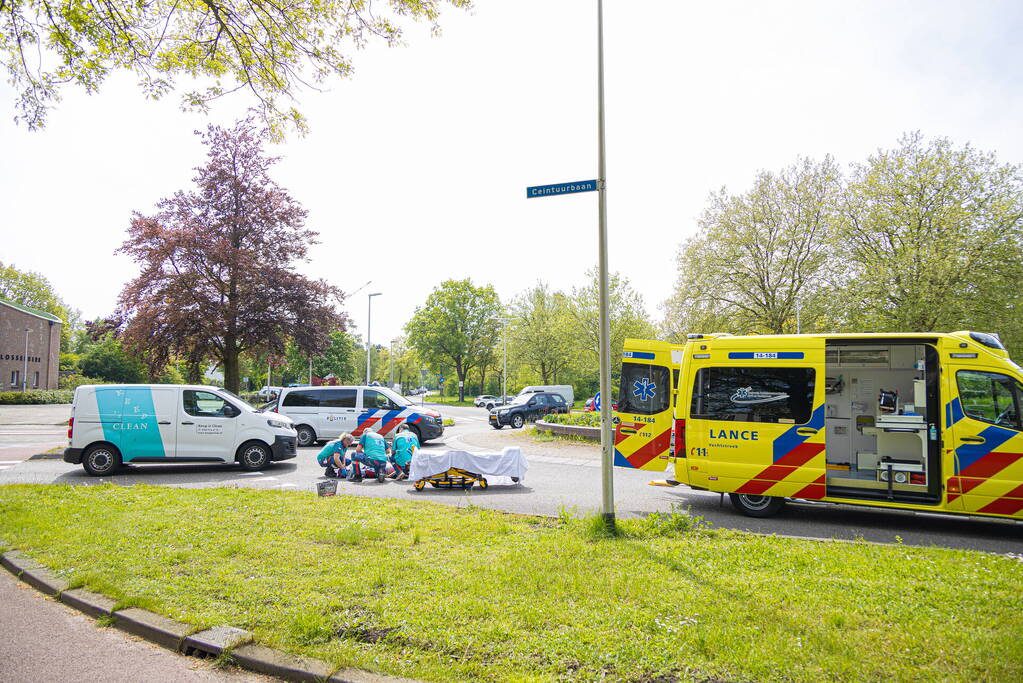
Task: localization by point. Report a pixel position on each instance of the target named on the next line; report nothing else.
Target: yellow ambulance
(916, 421)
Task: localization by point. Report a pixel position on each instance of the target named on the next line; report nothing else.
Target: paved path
(42, 640)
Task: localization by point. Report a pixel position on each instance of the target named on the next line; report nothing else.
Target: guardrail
(591, 433)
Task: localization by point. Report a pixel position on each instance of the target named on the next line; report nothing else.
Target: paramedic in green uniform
(372, 451)
(405, 445)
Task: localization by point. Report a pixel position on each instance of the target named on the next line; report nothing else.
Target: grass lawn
(425, 590)
(450, 400)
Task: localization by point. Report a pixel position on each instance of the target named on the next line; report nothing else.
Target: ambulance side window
(754, 394)
(645, 389)
(990, 397)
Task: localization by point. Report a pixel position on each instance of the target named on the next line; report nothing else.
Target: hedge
(590, 419)
(35, 397)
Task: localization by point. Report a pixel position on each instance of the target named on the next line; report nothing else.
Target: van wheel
(517, 421)
(254, 456)
(102, 459)
(306, 435)
(756, 506)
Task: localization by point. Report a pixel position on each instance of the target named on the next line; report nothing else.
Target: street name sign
(561, 188)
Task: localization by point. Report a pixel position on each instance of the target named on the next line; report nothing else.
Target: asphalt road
(42, 640)
(563, 476)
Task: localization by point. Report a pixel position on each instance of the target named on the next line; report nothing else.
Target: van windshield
(238, 401)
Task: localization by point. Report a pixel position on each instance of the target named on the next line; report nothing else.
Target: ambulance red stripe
(650, 451)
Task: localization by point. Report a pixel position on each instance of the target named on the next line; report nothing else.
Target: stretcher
(461, 469)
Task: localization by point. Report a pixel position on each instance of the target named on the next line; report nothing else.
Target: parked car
(115, 424)
(322, 413)
(481, 401)
(529, 407)
(498, 401)
(590, 407)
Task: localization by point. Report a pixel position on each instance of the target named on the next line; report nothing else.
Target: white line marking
(250, 474)
(9, 462)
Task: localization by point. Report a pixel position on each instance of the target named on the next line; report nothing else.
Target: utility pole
(606, 440)
(504, 372)
(369, 320)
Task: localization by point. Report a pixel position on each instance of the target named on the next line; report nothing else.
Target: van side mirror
(231, 411)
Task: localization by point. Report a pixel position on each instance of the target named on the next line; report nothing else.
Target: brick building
(21, 326)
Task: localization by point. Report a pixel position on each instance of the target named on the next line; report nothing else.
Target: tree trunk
(460, 373)
(231, 377)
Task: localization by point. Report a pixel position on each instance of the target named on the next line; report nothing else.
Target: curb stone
(214, 641)
(155, 628)
(275, 663)
(178, 637)
(44, 581)
(16, 563)
(87, 602)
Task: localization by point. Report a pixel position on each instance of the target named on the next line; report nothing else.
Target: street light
(24, 377)
(504, 374)
(369, 318)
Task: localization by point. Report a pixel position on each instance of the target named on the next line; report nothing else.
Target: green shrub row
(35, 397)
(591, 419)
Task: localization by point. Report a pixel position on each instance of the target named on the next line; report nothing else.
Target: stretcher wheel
(483, 483)
(419, 485)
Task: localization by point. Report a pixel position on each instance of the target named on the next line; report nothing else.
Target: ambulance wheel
(419, 485)
(253, 456)
(101, 459)
(517, 421)
(756, 506)
(306, 435)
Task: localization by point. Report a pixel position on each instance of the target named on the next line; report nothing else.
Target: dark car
(528, 407)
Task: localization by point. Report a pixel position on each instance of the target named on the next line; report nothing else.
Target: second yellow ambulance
(918, 421)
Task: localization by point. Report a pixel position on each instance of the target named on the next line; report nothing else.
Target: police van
(913, 421)
(322, 413)
(114, 424)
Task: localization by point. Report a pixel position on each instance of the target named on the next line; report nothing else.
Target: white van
(566, 391)
(321, 413)
(112, 424)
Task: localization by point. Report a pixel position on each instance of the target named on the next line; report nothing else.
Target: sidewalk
(42, 640)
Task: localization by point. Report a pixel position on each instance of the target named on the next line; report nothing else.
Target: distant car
(529, 407)
(481, 401)
(498, 401)
(590, 407)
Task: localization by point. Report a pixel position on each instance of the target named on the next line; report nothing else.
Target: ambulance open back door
(646, 403)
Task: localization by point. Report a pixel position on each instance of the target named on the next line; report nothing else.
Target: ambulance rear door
(756, 420)
(645, 404)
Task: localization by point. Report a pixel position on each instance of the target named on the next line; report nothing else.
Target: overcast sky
(415, 169)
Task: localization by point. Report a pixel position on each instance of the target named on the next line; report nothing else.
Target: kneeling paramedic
(405, 446)
(332, 457)
(372, 451)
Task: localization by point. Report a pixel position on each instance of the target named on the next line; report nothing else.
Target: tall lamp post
(369, 319)
(504, 373)
(24, 377)
(606, 442)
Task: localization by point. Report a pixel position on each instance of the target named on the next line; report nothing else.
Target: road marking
(6, 467)
(9, 462)
(250, 474)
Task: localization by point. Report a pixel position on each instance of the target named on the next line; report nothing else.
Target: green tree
(933, 239)
(455, 328)
(542, 334)
(760, 254)
(105, 360)
(270, 50)
(628, 318)
(33, 289)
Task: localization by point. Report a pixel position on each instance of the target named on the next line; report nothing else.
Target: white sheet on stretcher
(508, 463)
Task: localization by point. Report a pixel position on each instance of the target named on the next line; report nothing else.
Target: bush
(72, 382)
(35, 397)
(591, 419)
